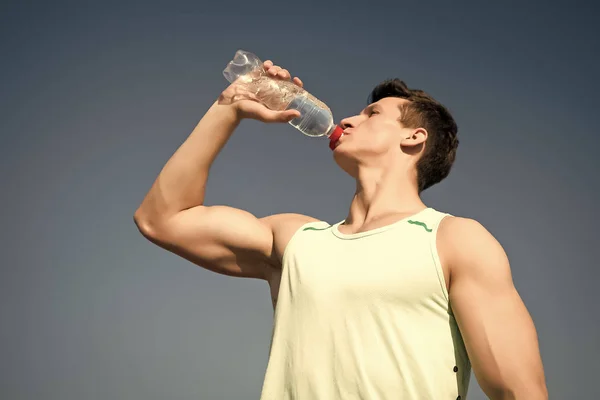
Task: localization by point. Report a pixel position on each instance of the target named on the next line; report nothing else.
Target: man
(397, 301)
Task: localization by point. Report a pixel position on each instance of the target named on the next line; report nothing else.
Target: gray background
(95, 99)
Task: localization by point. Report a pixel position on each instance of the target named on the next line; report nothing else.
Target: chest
(375, 269)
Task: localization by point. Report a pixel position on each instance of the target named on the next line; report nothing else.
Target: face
(376, 136)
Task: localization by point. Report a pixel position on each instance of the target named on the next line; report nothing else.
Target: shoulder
(287, 221)
(452, 226)
(283, 228)
(465, 245)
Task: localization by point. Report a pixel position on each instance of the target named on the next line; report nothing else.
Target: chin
(345, 161)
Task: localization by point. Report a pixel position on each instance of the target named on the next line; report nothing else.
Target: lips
(337, 142)
(336, 136)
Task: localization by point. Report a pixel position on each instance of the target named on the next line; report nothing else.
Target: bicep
(222, 239)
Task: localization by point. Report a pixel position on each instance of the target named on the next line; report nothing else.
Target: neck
(382, 193)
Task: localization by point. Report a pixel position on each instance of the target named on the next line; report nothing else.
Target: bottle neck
(334, 135)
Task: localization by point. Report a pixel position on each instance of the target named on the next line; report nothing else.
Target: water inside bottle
(315, 119)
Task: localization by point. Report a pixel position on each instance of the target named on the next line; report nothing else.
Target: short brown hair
(423, 111)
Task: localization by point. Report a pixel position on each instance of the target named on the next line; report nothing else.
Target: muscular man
(397, 301)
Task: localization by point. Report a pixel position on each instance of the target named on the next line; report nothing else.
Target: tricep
(222, 239)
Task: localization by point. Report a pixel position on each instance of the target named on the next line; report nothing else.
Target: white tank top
(365, 316)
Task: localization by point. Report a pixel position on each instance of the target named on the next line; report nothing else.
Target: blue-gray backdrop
(95, 97)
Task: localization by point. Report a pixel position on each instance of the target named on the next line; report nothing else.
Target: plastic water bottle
(316, 118)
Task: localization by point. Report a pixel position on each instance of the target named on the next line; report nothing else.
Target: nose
(346, 123)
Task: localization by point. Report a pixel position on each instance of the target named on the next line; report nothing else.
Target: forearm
(182, 181)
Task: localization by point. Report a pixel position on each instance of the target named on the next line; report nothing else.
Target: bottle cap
(335, 135)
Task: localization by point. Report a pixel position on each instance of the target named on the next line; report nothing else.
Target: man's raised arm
(173, 215)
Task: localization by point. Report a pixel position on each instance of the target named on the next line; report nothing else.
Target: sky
(95, 98)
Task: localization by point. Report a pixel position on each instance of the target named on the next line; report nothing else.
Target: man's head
(400, 126)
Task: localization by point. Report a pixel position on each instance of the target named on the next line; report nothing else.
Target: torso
(285, 228)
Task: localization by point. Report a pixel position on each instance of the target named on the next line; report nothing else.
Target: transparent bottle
(316, 118)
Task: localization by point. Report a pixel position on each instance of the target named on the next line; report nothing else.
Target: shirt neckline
(358, 235)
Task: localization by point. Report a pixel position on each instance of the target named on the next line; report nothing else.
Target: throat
(381, 221)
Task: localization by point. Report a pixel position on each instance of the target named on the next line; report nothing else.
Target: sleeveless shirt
(365, 316)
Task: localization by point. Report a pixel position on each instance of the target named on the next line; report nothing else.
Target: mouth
(333, 145)
(344, 133)
(337, 143)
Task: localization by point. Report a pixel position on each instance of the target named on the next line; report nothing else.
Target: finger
(287, 116)
(274, 70)
(279, 116)
(284, 74)
(294, 114)
(268, 64)
(298, 82)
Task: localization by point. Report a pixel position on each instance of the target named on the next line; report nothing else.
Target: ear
(414, 137)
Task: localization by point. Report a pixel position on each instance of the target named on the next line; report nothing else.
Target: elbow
(145, 225)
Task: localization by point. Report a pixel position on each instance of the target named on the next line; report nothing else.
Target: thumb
(282, 116)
